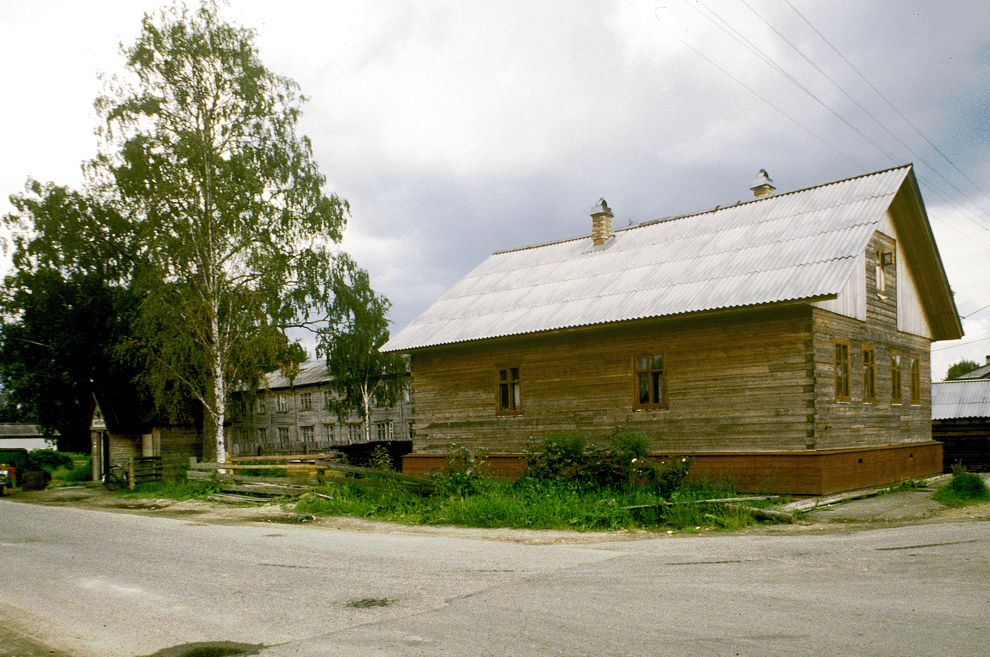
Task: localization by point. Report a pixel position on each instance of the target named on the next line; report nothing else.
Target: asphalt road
(98, 584)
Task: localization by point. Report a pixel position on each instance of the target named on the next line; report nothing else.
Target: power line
(723, 25)
(748, 88)
(917, 156)
(887, 100)
(965, 343)
(975, 311)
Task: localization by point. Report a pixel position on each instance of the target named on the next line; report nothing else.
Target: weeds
(964, 488)
(569, 485)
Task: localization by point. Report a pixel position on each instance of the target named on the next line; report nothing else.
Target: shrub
(49, 460)
(465, 471)
(380, 459)
(664, 477)
(964, 488)
(621, 465)
(557, 457)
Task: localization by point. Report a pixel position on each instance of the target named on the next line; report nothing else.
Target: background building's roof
(978, 373)
(952, 400)
(312, 372)
(787, 247)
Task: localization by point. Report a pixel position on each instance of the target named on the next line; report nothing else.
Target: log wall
(737, 381)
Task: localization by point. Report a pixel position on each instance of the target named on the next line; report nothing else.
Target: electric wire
(728, 29)
(917, 156)
(887, 100)
(753, 91)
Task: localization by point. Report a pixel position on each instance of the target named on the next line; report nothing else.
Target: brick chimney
(762, 184)
(601, 223)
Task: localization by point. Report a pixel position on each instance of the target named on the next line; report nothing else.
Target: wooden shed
(783, 341)
(961, 422)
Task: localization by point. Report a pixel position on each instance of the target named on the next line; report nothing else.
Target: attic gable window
(509, 388)
(650, 382)
(882, 261)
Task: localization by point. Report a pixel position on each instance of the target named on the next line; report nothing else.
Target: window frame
(329, 431)
(282, 403)
(915, 381)
(305, 401)
(282, 432)
(841, 378)
(869, 367)
(896, 377)
(657, 392)
(260, 406)
(509, 379)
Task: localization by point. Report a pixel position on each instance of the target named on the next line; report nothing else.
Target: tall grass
(527, 504)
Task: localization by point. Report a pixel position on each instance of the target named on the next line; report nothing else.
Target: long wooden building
(784, 341)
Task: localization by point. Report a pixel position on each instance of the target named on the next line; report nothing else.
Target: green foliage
(964, 488)
(79, 469)
(624, 463)
(49, 460)
(527, 504)
(350, 342)
(179, 490)
(380, 459)
(964, 366)
(58, 345)
(466, 471)
(204, 204)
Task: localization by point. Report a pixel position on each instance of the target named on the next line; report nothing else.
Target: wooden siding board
(723, 392)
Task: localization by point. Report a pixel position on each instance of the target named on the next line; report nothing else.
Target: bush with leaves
(49, 460)
(622, 464)
(964, 488)
(465, 471)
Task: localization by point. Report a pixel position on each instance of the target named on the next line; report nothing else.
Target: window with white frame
(283, 403)
(328, 434)
(383, 430)
(354, 433)
(306, 401)
(283, 436)
(307, 435)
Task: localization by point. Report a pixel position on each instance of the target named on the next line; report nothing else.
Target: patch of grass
(963, 489)
(528, 504)
(78, 470)
(178, 490)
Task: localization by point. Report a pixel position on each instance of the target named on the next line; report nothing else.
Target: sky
(455, 129)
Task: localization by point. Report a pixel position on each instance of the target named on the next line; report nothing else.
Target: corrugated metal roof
(788, 247)
(310, 373)
(953, 400)
(978, 373)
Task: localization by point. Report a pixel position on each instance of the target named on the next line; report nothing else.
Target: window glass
(649, 381)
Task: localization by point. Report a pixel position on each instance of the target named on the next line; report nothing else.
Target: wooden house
(121, 433)
(783, 341)
(293, 415)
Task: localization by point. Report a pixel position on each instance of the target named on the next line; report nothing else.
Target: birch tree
(201, 156)
(359, 373)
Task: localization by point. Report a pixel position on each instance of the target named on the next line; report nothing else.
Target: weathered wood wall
(860, 422)
(736, 381)
(966, 441)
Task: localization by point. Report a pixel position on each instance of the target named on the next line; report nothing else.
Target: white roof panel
(789, 247)
(965, 398)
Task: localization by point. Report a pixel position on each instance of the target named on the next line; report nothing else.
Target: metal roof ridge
(717, 208)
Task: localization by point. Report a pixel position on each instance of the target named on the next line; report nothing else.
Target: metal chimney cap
(762, 178)
(600, 208)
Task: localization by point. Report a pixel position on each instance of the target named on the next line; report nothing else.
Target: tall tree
(359, 373)
(201, 158)
(65, 311)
